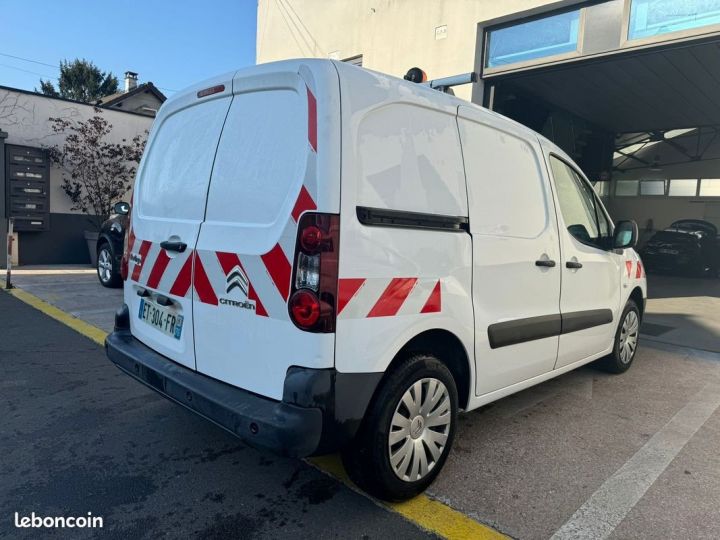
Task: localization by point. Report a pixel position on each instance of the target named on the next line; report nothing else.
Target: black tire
(111, 280)
(617, 362)
(367, 458)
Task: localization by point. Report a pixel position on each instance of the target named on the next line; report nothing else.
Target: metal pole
(455, 80)
(8, 284)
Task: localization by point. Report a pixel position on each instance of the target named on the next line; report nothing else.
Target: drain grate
(651, 329)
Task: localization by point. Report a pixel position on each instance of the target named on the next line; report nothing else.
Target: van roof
(424, 93)
(410, 91)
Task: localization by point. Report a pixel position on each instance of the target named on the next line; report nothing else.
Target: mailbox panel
(27, 187)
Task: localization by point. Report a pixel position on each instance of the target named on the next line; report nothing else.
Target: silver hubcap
(104, 265)
(419, 429)
(628, 337)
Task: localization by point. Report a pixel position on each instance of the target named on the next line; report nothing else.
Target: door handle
(573, 265)
(180, 247)
(546, 263)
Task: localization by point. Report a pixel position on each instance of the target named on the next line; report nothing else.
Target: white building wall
(25, 117)
(391, 35)
(662, 209)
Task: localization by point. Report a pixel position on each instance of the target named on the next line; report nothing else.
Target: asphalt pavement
(79, 436)
(585, 455)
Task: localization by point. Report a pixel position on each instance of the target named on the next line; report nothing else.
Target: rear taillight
(315, 273)
(126, 247)
(305, 308)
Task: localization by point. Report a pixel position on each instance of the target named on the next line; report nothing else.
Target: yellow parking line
(86, 329)
(428, 513)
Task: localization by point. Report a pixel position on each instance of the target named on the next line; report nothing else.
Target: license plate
(669, 251)
(161, 318)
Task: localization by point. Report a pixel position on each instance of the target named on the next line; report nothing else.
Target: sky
(173, 43)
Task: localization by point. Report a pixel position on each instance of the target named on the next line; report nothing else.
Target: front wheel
(626, 341)
(408, 431)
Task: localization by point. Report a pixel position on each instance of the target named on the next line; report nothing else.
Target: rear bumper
(260, 422)
(320, 412)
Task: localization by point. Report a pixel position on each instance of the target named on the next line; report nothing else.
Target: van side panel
(401, 153)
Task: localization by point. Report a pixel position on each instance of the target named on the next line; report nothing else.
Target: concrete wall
(392, 35)
(25, 117)
(661, 210)
(664, 210)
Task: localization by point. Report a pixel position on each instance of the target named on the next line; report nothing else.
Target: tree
(81, 80)
(47, 88)
(96, 172)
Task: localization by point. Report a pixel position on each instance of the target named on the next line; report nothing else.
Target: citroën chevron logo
(236, 278)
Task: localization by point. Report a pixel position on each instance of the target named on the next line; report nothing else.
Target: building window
(626, 188)
(602, 188)
(652, 187)
(656, 17)
(710, 187)
(539, 38)
(683, 187)
(354, 60)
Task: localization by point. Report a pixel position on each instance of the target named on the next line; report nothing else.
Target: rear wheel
(626, 341)
(107, 271)
(407, 432)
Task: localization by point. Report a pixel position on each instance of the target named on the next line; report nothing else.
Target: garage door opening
(629, 89)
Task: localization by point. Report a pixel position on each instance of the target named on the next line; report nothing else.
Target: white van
(324, 258)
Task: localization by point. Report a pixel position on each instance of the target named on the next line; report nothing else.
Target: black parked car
(110, 246)
(688, 246)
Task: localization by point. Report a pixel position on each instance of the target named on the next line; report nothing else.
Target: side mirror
(121, 208)
(626, 235)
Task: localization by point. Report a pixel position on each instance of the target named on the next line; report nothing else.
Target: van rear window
(261, 158)
(176, 171)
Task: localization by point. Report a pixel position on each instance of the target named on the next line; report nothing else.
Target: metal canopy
(647, 91)
(658, 149)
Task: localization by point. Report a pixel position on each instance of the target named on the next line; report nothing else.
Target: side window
(603, 221)
(584, 219)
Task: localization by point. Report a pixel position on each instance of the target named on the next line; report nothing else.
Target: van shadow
(669, 286)
(684, 330)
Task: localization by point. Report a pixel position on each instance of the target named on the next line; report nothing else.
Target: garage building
(627, 87)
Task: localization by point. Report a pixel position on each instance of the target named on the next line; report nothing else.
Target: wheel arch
(637, 296)
(449, 349)
(103, 239)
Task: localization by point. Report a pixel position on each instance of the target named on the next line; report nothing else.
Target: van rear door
(274, 162)
(169, 205)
